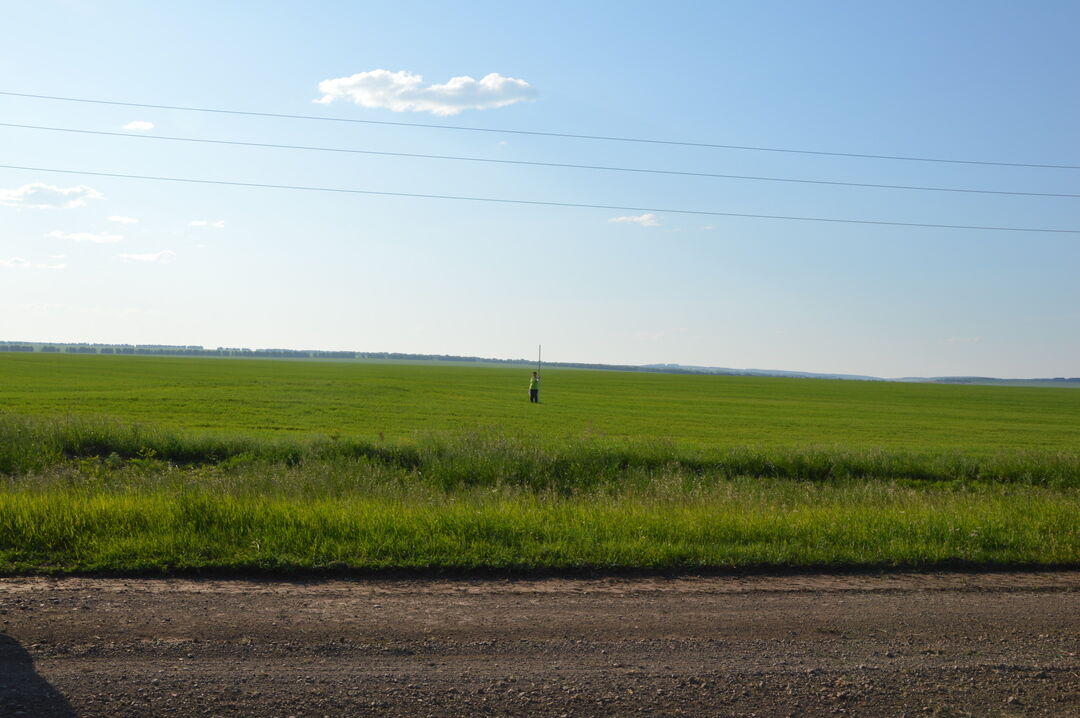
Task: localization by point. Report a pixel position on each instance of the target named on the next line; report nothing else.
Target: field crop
(157, 464)
(401, 402)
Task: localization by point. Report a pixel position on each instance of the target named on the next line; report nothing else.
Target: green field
(158, 464)
(403, 401)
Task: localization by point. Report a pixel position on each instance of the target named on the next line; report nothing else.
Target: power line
(566, 165)
(567, 135)
(542, 203)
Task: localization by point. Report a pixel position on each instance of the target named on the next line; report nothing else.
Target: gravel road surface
(996, 644)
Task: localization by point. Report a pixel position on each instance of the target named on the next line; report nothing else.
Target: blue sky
(239, 266)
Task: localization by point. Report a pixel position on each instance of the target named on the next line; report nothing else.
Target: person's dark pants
(534, 396)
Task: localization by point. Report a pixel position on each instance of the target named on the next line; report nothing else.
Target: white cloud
(162, 257)
(216, 224)
(123, 220)
(403, 91)
(642, 220)
(39, 195)
(20, 263)
(98, 238)
(139, 125)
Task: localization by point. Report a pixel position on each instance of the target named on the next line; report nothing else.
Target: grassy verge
(740, 523)
(88, 496)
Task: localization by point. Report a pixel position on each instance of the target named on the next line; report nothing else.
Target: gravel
(999, 644)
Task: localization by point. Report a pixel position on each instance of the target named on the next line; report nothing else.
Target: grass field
(158, 464)
(403, 401)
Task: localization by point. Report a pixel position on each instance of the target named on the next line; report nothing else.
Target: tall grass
(487, 458)
(738, 524)
(97, 495)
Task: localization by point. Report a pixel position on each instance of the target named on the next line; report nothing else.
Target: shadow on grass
(22, 691)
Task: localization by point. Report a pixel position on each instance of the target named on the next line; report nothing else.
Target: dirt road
(946, 645)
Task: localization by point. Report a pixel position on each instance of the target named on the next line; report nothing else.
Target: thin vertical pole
(538, 348)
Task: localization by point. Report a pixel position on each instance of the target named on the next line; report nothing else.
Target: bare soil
(998, 644)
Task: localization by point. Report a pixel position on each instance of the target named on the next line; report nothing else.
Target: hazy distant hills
(678, 368)
(1055, 381)
(756, 372)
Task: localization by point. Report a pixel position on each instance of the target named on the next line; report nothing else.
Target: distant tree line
(199, 351)
(195, 350)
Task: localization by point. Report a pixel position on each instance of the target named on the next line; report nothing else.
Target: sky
(92, 258)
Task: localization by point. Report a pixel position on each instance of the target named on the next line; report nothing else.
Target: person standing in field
(534, 388)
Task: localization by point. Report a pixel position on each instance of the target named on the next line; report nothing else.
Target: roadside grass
(736, 523)
(80, 495)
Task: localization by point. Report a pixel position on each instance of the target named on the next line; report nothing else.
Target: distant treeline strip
(198, 351)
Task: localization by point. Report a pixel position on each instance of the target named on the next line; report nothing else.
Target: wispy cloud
(139, 125)
(20, 263)
(39, 195)
(97, 238)
(216, 224)
(123, 220)
(162, 257)
(403, 91)
(642, 220)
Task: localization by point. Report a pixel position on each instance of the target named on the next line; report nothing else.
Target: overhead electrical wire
(567, 165)
(666, 210)
(536, 133)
